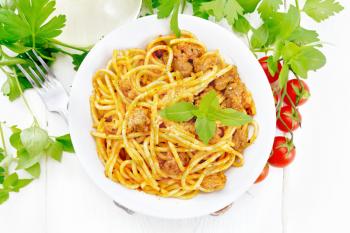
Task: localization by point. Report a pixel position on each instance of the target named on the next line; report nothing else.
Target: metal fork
(47, 86)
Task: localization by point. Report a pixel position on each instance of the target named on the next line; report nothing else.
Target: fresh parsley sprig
(26, 25)
(207, 114)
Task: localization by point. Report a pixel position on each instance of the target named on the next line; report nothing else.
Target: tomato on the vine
(263, 174)
(297, 92)
(263, 63)
(283, 152)
(290, 119)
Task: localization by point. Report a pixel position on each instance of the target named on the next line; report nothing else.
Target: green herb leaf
(26, 160)
(66, 141)
(241, 25)
(15, 140)
(34, 170)
(55, 151)
(178, 112)
(259, 37)
(272, 65)
(10, 89)
(21, 183)
(2, 155)
(10, 181)
(166, 7)
(196, 6)
(209, 102)
(78, 59)
(281, 25)
(174, 21)
(321, 9)
(4, 196)
(249, 6)
(283, 77)
(230, 117)
(34, 140)
(302, 36)
(2, 175)
(205, 129)
(308, 58)
(229, 9)
(268, 7)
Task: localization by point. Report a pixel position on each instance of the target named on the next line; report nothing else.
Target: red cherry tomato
(283, 152)
(263, 174)
(297, 91)
(290, 119)
(263, 63)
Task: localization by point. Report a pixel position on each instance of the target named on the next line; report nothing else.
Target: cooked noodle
(142, 151)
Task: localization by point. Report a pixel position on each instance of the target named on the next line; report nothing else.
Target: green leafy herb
(34, 140)
(259, 37)
(66, 141)
(249, 6)
(241, 25)
(167, 7)
(55, 151)
(321, 9)
(267, 8)
(34, 170)
(207, 114)
(229, 9)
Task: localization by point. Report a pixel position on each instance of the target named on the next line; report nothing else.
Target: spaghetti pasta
(142, 151)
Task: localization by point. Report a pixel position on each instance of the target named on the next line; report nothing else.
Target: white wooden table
(316, 188)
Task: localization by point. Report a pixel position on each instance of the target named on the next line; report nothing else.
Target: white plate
(137, 34)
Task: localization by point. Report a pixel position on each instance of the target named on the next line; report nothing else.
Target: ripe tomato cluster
(288, 99)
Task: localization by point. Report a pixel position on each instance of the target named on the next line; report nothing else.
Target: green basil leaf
(209, 101)
(230, 117)
(55, 151)
(178, 112)
(4, 196)
(34, 140)
(34, 170)
(66, 141)
(205, 129)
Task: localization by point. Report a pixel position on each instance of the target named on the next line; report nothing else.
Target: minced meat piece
(139, 121)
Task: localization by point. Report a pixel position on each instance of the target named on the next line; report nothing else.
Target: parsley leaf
(4, 196)
(164, 10)
(229, 9)
(249, 6)
(303, 59)
(302, 36)
(268, 7)
(2, 174)
(259, 37)
(241, 25)
(321, 9)
(78, 59)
